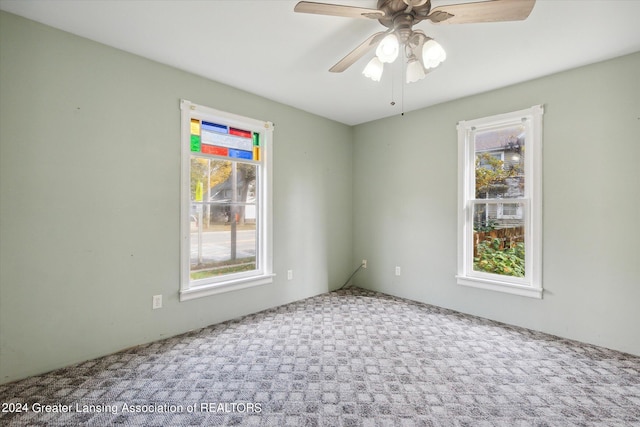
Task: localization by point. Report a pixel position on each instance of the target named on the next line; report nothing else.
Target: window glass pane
(223, 217)
(499, 155)
(499, 238)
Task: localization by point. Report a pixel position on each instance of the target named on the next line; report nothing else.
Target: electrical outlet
(364, 263)
(289, 274)
(157, 301)
(397, 271)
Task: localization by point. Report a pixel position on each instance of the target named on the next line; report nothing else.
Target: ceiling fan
(399, 16)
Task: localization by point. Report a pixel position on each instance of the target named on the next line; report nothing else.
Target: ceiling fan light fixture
(373, 70)
(415, 70)
(432, 54)
(388, 49)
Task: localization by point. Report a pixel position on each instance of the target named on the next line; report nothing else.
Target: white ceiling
(263, 47)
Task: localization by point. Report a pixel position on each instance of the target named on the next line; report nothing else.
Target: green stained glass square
(256, 139)
(195, 143)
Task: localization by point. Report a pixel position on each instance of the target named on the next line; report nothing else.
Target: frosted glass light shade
(388, 49)
(373, 70)
(432, 54)
(415, 71)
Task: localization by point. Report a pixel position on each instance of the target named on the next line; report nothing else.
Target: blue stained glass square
(240, 154)
(215, 127)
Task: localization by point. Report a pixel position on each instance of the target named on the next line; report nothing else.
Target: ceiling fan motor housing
(402, 24)
(401, 15)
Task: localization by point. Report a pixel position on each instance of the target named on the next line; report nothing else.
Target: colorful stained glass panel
(221, 140)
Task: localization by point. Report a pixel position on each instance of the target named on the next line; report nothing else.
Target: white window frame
(531, 284)
(190, 289)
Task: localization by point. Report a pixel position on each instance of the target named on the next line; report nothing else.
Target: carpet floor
(346, 358)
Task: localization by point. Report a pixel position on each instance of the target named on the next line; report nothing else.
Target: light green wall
(89, 200)
(405, 206)
(89, 187)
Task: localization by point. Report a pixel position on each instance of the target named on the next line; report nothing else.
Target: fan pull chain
(393, 78)
(404, 73)
(393, 102)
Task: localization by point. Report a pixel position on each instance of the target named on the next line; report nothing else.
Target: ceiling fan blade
(484, 11)
(337, 10)
(358, 52)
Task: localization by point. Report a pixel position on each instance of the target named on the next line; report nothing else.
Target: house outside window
(225, 202)
(499, 202)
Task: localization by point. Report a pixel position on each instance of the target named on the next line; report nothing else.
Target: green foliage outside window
(507, 262)
(490, 172)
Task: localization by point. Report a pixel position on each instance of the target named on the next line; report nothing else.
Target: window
(225, 202)
(500, 202)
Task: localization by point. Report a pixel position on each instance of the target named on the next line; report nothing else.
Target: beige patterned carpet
(346, 358)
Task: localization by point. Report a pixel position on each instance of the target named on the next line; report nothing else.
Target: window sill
(494, 285)
(230, 286)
